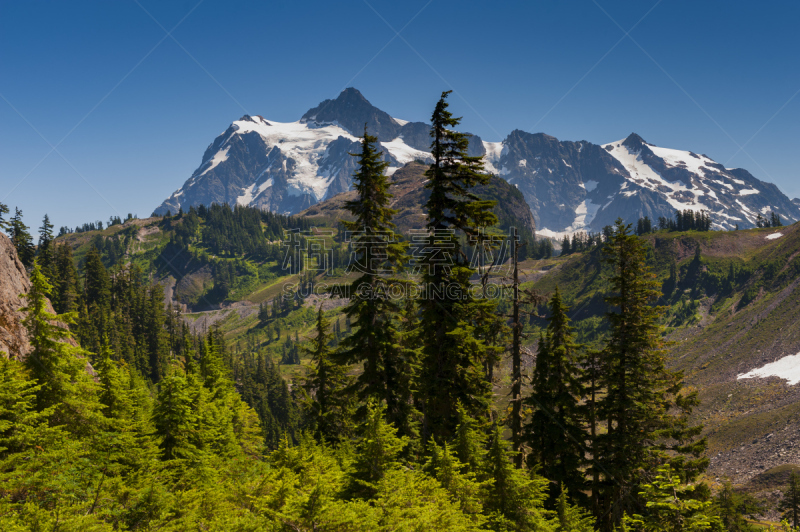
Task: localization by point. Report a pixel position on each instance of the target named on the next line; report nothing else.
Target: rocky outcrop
(13, 282)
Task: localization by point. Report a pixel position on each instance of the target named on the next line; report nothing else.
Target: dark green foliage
(790, 504)
(268, 394)
(21, 239)
(378, 252)
(644, 226)
(513, 499)
(453, 355)
(44, 250)
(175, 419)
(732, 507)
(4, 224)
(65, 280)
(236, 232)
(329, 408)
(639, 390)
(555, 433)
(686, 220)
(774, 220)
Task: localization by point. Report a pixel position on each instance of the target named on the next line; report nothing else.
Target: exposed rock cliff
(13, 282)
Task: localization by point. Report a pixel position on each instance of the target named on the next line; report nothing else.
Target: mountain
(569, 186)
(410, 196)
(573, 186)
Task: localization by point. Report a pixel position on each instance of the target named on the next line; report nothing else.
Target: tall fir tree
(329, 409)
(65, 282)
(453, 355)
(373, 312)
(555, 432)
(644, 412)
(21, 239)
(44, 249)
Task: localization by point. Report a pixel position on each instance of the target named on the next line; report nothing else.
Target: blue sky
(130, 110)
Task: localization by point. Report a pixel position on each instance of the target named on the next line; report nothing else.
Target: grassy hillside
(733, 304)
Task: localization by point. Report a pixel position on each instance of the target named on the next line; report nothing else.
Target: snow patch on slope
(220, 157)
(787, 368)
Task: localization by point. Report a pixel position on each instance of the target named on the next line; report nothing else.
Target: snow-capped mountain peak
(569, 186)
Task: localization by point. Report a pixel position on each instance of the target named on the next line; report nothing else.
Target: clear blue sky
(138, 108)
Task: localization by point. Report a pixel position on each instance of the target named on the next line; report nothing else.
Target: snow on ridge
(306, 143)
(590, 185)
(773, 236)
(399, 121)
(403, 152)
(787, 368)
(494, 150)
(681, 159)
(638, 170)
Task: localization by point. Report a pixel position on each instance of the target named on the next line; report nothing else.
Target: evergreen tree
(731, 507)
(572, 518)
(645, 414)
(671, 507)
(22, 240)
(96, 311)
(65, 280)
(377, 452)
(462, 485)
(790, 504)
(590, 381)
(375, 343)
(555, 434)
(329, 409)
(4, 225)
(514, 500)
(566, 247)
(175, 420)
(44, 251)
(453, 356)
(56, 364)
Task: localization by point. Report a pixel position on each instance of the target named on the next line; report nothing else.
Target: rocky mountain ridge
(569, 186)
(409, 196)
